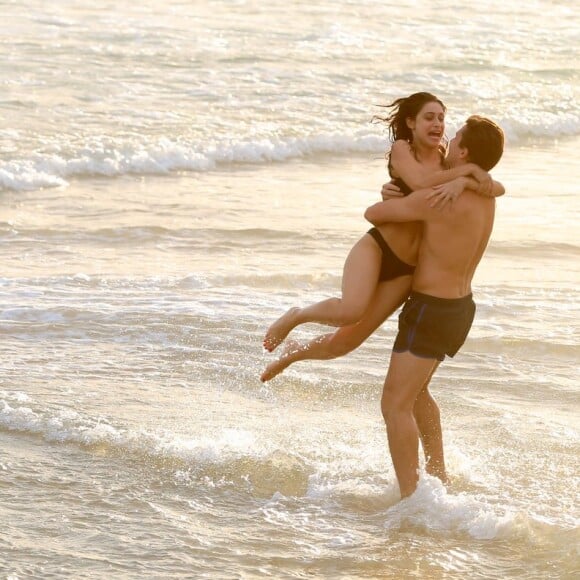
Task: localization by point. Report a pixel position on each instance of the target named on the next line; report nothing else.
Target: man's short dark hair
(484, 140)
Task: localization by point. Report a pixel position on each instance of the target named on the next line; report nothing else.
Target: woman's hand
(390, 191)
(446, 193)
(483, 178)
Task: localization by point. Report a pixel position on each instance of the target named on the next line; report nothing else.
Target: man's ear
(464, 154)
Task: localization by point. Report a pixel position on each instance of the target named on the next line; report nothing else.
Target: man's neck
(458, 163)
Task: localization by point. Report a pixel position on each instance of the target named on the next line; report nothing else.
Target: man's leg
(408, 375)
(428, 421)
(387, 298)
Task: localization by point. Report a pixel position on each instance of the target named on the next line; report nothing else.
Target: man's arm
(413, 208)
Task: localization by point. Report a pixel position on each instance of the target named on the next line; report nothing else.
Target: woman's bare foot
(285, 360)
(279, 330)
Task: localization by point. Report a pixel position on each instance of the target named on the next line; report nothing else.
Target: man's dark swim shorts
(432, 327)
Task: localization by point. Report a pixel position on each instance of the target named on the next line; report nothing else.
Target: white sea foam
(117, 158)
(25, 176)
(231, 456)
(431, 507)
(16, 395)
(67, 426)
(112, 157)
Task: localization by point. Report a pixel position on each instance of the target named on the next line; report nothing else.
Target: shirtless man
(438, 314)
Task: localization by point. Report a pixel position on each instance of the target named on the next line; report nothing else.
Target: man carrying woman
(418, 247)
(378, 270)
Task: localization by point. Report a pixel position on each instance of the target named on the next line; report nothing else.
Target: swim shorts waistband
(435, 300)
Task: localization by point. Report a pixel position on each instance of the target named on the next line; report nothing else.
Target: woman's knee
(351, 314)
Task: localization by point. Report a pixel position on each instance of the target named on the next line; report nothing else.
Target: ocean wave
(227, 237)
(112, 157)
(194, 280)
(232, 457)
(535, 249)
(549, 126)
(494, 343)
(432, 508)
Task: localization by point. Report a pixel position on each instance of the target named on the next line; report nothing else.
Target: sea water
(174, 176)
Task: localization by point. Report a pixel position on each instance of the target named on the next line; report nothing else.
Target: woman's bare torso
(404, 239)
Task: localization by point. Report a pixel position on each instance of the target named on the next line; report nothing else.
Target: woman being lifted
(378, 270)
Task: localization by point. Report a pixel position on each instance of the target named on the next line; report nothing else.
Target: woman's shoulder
(401, 151)
(400, 145)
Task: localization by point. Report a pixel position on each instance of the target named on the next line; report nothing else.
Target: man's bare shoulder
(469, 200)
(469, 204)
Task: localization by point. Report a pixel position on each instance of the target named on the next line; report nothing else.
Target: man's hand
(446, 193)
(390, 191)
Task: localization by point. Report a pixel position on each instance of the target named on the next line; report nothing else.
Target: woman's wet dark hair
(403, 109)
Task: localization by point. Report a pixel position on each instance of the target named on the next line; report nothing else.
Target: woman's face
(429, 125)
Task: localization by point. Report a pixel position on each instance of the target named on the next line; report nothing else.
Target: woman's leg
(359, 280)
(387, 298)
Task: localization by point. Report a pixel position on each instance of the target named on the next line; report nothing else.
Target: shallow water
(147, 242)
(133, 418)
